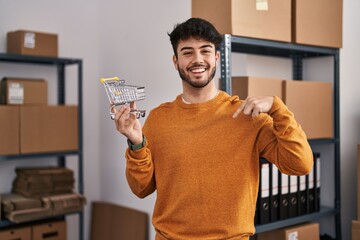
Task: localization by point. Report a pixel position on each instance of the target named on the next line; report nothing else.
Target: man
(201, 151)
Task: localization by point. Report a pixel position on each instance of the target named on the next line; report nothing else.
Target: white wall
(76, 23)
(135, 46)
(349, 112)
(129, 39)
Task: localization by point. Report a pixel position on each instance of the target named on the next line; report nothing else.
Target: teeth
(198, 70)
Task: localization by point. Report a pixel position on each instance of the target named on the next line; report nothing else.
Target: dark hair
(197, 28)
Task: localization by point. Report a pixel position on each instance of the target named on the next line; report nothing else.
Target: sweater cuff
(138, 154)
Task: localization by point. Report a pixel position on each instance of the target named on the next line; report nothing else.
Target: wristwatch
(135, 147)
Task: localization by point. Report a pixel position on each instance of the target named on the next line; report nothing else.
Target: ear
(217, 56)
(175, 62)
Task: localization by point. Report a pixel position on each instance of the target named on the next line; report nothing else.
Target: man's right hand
(127, 123)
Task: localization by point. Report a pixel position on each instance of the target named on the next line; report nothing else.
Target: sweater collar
(221, 95)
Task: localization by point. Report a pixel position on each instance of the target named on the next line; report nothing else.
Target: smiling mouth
(198, 69)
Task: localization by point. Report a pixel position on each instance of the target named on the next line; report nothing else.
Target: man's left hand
(254, 106)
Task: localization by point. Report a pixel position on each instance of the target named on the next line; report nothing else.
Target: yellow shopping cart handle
(102, 80)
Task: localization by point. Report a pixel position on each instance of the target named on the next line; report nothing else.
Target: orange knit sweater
(204, 165)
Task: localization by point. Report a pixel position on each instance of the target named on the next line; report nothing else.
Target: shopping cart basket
(121, 94)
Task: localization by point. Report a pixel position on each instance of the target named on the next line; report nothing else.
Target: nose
(198, 58)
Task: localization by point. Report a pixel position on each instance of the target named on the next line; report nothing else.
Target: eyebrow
(190, 48)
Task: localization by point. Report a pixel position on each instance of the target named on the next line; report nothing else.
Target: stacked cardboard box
(10, 131)
(317, 22)
(23, 233)
(34, 43)
(40, 193)
(307, 22)
(24, 91)
(17, 208)
(54, 230)
(43, 181)
(48, 129)
(27, 121)
(310, 101)
(47, 231)
(65, 203)
(270, 19)
(299, 232)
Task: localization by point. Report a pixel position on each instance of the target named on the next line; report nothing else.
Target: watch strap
(135, 147)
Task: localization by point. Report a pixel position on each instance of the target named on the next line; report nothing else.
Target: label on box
(29, 40)
(262, 5)
(16, 93)
(293, 236)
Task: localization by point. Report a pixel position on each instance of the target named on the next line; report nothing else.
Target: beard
(196, 84)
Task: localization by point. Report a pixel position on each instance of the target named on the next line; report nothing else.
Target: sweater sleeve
(284, 143)
(140, 172)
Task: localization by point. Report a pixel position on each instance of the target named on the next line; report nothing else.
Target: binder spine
(274, 193)
(317, 181)
(293, 211)
(302, 195)
(284, 180)
(264, 214)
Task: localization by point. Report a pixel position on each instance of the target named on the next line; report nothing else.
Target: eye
(206, 51)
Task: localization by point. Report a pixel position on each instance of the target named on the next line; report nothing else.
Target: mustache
(197, 65)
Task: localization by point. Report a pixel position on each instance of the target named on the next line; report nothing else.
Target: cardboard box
(318, 22)
(312, 104)
(52, 230)
(265, 19)
(255, 86)
(355, 230)
(48, 129)
(10, 130)
(32, 43)
(24, 91)
(112, 221)
(16, 233)
(299, 232)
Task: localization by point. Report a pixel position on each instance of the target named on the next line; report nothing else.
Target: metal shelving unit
(297, 53)
(60, 64)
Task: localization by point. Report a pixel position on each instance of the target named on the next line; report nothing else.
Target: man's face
(196, 62)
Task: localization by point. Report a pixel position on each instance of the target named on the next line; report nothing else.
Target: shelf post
(61, 98)
(80, 132)
(337, 143)
(225, 64)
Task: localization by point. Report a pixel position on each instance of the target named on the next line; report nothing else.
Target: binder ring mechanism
(121, 94)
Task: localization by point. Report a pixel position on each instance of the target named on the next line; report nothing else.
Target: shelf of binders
(60, 64)
(297, 53)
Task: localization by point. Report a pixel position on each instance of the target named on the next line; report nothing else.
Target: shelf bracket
(297, 61)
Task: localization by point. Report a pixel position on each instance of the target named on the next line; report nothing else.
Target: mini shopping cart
(121, 94)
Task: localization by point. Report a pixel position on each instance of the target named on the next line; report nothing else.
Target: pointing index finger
(239, 110)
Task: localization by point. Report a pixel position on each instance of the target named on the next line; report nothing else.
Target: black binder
(303, 197)
(264, 193)
(274, 193)
(317, 181)
(284, 181)
(310, 188)
(293, 209)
